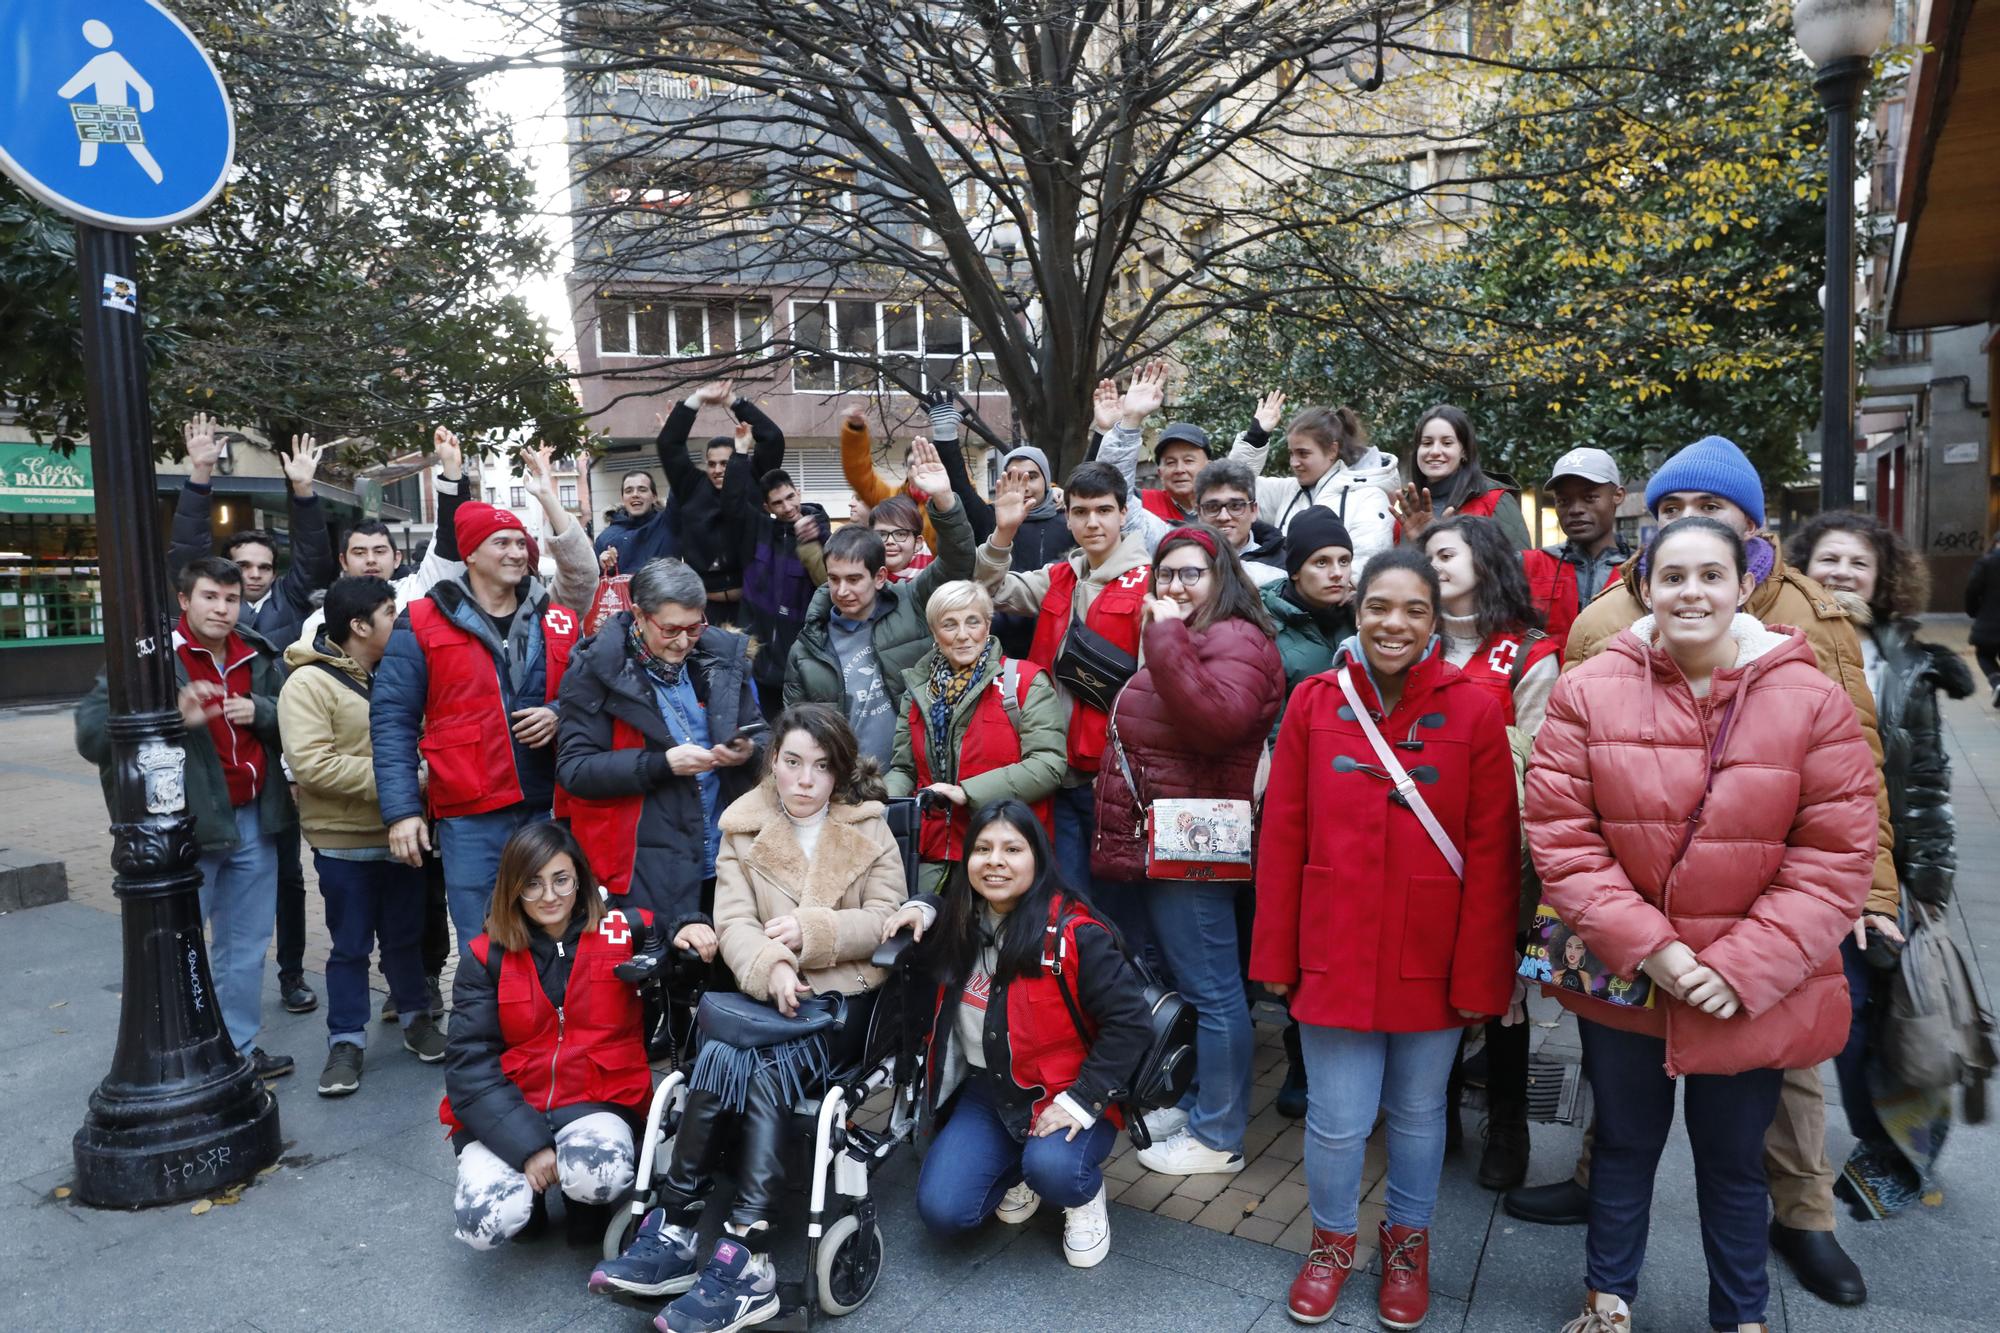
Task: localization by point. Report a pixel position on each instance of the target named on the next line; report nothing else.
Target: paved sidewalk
(354, 1229)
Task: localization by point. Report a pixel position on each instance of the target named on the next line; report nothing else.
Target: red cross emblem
(615, 928)
(1136, 577)
(559, 620)
(1501, 659)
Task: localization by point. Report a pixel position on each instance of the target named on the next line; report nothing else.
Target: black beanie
(1315, 528)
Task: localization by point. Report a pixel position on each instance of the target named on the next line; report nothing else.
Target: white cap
(1590, 464)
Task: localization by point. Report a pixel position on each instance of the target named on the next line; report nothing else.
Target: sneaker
(267, 1066)
(660, 1261)
(1186, 1155)
(1602, 1313)
(736, 1290)
(435, 989)
(1996, 694)
(1087, 1232)
(297, 996)
(389, 1011)
(1019, 1205)
(1164, 1123)
(342, 1074)
(423, 1039)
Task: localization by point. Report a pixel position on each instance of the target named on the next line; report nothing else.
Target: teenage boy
(1563, 579)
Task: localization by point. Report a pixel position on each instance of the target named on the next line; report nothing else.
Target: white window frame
(921, 353)
(673, 308)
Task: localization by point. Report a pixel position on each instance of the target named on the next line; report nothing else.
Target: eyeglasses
(895, 534)
(676, 633)
(1187, 576)
(1217, 508)
(562, 886)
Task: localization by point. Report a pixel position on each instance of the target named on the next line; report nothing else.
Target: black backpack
(1165, 1070)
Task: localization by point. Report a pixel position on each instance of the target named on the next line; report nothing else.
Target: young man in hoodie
(1712, 478)
(1101, 585)
(372, 900)
(1225, 498)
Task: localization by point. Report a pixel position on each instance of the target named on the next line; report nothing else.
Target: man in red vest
(1563, 579)
(1088, 608)
(468, 686)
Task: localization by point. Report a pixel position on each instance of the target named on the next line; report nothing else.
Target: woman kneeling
(545, 1071)
(1025, 1097)
(807, 874)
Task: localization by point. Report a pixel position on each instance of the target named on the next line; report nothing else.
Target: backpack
(1935, 1033)
(1166, 1069)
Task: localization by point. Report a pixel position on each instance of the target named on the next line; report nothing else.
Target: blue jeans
(469, 846)
(367, 901)
(1120, 903)
(239, 900)
(1351, 1075)
(1851, 1065)
(974, 1161)
(1194, 926)
(1727, 1116)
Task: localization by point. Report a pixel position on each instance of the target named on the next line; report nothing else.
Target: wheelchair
(833, 1160)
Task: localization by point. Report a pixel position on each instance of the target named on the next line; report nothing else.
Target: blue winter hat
(1713, 465)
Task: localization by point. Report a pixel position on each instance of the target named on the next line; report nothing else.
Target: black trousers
(291, 907)
(437, 919)
(1989, 662)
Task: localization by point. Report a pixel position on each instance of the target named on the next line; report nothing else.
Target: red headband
(1195, 535)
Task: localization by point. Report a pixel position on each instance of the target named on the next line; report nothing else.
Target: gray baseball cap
(1593, 465)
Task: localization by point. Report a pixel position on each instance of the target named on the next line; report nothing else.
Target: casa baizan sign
(34, 480)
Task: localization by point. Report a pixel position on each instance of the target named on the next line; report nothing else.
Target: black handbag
(1166, 1069)
(742, 1038)
(1091, 667)
(734, 1019)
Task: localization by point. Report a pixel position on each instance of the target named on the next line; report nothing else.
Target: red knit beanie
(475, 522)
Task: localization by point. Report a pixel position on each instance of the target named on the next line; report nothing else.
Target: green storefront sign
(34, 480)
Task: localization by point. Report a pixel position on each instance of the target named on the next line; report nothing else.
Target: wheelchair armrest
(889, 953)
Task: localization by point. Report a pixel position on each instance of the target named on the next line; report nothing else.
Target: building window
(632, 327)
(925, 341)
(566, 493)
(49, 590)
(492, 495)
(516, 497)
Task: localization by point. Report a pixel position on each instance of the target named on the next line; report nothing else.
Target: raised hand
(204, 451)
(1105, 404)
(1413, 510)
(1010, 508)
(302, 464)
(1271, 410)
(538, 472)
(854, 418)
(928, 475)
(450, 454)
(943, 412)
(716, 393)
(741, 437)
(1147, 394)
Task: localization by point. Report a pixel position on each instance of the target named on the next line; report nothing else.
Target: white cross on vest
(615, 928)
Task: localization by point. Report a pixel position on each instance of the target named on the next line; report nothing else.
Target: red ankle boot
(1406, 1277)
(1317, 1287)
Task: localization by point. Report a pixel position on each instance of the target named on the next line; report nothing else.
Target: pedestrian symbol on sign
(111, 119)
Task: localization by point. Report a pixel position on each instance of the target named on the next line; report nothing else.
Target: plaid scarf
(665, 672)
(948, 686)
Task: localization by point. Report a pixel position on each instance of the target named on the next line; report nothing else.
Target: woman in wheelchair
(1026, 1087)
(807, 874)
(545, 1072)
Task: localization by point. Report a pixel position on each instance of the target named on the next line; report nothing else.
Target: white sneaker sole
(1227, 1168)
(762, 1313)
(1014, 1217)
(671, 1287)
(1091, 1257)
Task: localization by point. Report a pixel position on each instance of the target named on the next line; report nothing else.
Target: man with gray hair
(660, 731)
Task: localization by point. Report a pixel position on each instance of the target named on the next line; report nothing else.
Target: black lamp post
(1840, 37)
(1004, 239)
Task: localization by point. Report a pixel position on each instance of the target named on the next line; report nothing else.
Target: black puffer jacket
(1915, 768)
(604, 684)
(1982, 600)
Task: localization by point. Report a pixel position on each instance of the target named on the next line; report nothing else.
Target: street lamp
(1840, 37)
(1003, 239)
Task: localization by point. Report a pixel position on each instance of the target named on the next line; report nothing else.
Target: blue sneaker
(736, 1290)
(660, 1261)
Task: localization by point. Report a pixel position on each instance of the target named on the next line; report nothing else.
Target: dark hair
(856, 776)
(1236, 597)
(954, 942)
(1502, 600)
(1681, 527)
(1093, 481)
(532, 847)
(639, 472)
(353, 597)
(1398, 557)
(1902, 581)
(775, 478)
(857, 541)
(898, 511)
(1334, 429)
(1470, 480)
(211, 567)
(1226, 472)
(718, 442)
(368, 527)
(245, 538)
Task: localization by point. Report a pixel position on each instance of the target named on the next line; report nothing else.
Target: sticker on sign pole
(111, 112)
(121, 294)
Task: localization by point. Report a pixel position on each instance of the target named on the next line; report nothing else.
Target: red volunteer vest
(467, 737)
(1495, 666)
(608, 828)
(591, 1050)
(990, 742)
(1114, 613)
(1161, 505)
(1045, 1051)
(1552, 583)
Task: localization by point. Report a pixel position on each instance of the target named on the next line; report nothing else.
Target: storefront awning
(1948, 261)
(34, 480)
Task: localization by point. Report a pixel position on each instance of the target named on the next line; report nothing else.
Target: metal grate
(1552, 1090)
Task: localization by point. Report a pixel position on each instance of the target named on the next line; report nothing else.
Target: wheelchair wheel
(618, 1233)
(850, 1260)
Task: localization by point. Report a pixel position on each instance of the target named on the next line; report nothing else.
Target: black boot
(1563, 1204)
(1820, 1265)
(1504, 1163)
(1291, 1099)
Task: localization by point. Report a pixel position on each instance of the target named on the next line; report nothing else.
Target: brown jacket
(1787, 597)
(853, 884)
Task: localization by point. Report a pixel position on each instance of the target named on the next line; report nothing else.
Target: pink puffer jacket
(1780, 862)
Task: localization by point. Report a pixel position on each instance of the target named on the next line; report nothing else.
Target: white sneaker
(1164, 1123)
(1087, 1232)
(1186, 1155)
(1019, 1205)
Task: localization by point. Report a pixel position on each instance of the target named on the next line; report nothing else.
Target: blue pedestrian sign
(111, 112)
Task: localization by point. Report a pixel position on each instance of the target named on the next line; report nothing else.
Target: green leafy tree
(353, 279)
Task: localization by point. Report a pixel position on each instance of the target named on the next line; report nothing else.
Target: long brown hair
(856, 776)
(1337, 430)
(1236, 597)
(532, 847)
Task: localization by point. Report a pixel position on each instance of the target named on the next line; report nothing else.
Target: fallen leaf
(59, 1004)
(62, 1191)
(269, 1169)
(201, 1206)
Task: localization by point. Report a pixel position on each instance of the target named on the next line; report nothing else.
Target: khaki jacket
(853, 885)
(324, 720)
(1787, 597)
